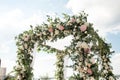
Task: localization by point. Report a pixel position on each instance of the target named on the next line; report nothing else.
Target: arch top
(85, 44)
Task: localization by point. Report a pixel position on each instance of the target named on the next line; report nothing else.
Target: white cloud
(16, 21)
(4, 48)
(103, 14)
(116, 63)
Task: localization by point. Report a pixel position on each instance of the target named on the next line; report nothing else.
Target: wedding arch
(89, 52)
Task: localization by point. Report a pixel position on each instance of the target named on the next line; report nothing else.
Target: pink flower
(83, 28)
(50, 29)
(92, 60)
(26, 37)
(89, 65)
(89, 71)
(87, 50)
(61, 27)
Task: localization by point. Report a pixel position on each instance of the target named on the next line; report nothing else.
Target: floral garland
(85, 44)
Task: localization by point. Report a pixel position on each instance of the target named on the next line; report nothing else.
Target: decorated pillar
(59, 67)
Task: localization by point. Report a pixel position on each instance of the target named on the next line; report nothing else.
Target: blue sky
(17, 15)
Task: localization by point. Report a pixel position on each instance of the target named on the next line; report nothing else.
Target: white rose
(26, 46)
(51, 33)
(105, 64)
(66, 32)
(111, 78)
(41, 38)
(18, 67)
(84, 45)
(77, 20)
(78, 44)
(56, 32)
(74, 32)
(87, 24)
(89, 54)
(105, 71)
(77, 37)
(39, 34)
(85, 68)
(92, 78)
(21, 47)
(80, 63)
(44, 33)
(69, 50)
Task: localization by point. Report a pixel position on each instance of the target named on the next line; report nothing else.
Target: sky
(17, 15)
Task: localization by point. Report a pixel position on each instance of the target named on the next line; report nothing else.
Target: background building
(2, 72)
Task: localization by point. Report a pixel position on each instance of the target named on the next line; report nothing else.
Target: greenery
(89, 52)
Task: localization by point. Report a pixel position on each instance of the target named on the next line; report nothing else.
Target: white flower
(51, 33)
(105, 71)
(26, 46)
(21, 47)
(56, 32)
(44, 33)
(92, 78)
(66, 32)
(18, 67)
(77, 20)
(106, 67)
(111, 78)
(69, 50)
(84, 45)
(74, 32)
(80, 63)
(18, 77)
(41, 38)
(26, 37)
(77, 37)
(89, 55)
(103, 56)
(105, 64)
(85, 68)
(78, 44)
(82, 75)
(39, 34)
(87, 24)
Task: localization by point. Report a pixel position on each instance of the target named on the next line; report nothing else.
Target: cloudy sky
(17, 15)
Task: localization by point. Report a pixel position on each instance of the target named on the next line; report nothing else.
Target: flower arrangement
(81, 51)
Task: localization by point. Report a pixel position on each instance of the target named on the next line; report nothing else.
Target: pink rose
(83, 28)
(61, 27)
(87, 50)
(92, 60)
(50, 30)
(89, 71)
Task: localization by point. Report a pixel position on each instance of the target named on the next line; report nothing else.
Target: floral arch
(85, 46)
